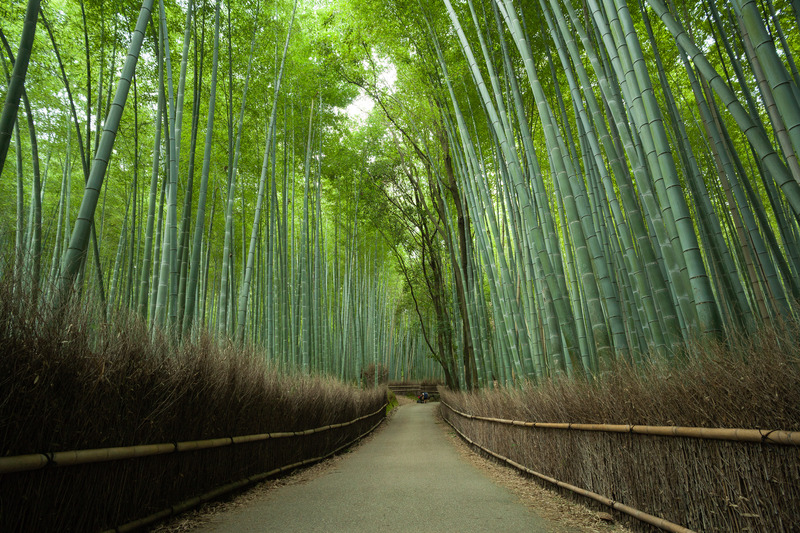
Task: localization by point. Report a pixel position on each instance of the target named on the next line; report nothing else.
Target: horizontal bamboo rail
(414, 392)
(413, 389)
(636, 513)
(230, 487)
(772, 436)
(36, 461)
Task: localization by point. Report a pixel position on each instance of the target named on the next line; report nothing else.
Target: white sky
(361, 107)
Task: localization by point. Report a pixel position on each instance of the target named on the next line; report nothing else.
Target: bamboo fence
(766, 437)
(236, 485)
(641, 515)
(35, 461)
(771, 436)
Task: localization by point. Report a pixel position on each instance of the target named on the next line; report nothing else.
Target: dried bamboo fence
(710, 479)
(242, 455)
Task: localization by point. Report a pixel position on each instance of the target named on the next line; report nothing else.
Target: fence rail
(36, 461)
(772, 436)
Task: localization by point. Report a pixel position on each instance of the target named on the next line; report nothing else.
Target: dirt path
(410, 476)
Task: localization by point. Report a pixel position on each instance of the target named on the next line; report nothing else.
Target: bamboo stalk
(80, 234)
(16, 84)
(248, 265)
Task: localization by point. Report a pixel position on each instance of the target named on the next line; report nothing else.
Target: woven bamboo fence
(97, 489)
(674, 478)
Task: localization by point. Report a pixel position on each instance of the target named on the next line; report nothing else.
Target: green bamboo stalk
(17, 83)
(207, 261)
(227, 254)
(304, 299)
(135, 224)
(155, 284)
(194, 269)
(185, 229)
(62, 215)
(34, 254)
(111, 302)
(187, 37)
(147, 259)
(244, 293)
(80, 235)
(167, 303)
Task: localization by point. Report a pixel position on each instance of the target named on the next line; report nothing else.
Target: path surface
(394, 482)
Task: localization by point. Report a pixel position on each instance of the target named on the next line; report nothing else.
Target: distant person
(423, 397)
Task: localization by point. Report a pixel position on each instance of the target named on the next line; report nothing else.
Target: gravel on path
(409, 477)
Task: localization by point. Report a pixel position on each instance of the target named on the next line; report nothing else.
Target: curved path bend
(408, 478)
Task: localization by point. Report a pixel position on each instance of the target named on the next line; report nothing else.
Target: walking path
(407, 478)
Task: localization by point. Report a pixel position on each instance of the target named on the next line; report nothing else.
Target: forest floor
(519, 504)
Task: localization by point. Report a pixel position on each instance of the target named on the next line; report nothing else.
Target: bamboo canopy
(544, 188)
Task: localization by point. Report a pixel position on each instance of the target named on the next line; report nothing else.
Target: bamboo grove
(199, 239)
(626, 172)
(655, 208)
(548, 188)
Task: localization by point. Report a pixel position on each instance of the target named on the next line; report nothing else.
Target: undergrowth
(747, 382)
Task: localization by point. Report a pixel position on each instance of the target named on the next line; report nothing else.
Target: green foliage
(540, 207)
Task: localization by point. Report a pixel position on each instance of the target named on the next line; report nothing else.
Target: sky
(362, 106)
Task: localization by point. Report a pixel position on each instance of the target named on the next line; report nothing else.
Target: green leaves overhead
(541, 187)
